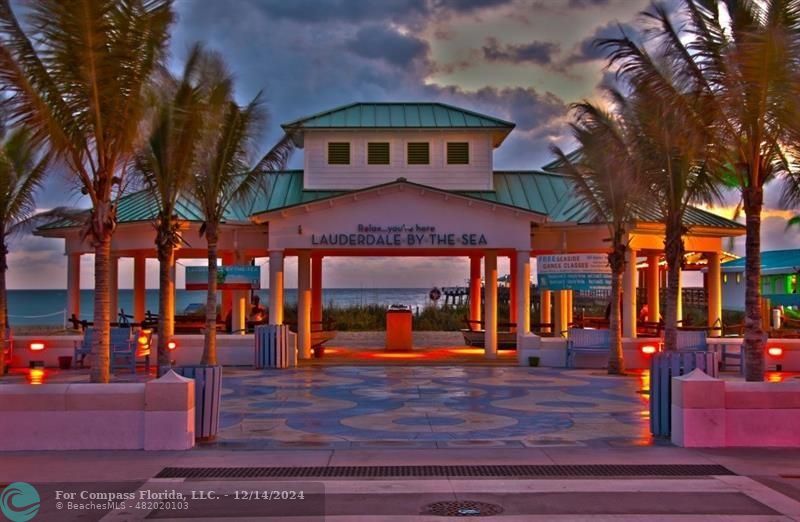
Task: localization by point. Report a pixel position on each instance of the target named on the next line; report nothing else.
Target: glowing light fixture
(649, 349)
(36, 375)
(172, 345)
(36, 346)
(396, 355)
(775, 351)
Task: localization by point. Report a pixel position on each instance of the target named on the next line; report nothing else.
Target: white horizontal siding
(321, 176)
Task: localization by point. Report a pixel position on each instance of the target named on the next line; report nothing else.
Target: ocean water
(46, 307)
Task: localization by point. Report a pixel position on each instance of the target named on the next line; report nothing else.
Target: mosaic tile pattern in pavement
(418, 406)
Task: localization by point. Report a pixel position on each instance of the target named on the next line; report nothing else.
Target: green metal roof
(772, 262)
(142, 206)
(424, 115)
(542, 192)
(530, 190)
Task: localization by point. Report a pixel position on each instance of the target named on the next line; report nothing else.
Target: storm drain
(462, 508)
(519, 471)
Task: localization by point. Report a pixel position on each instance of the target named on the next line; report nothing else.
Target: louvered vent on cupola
(458, 153)
(338, 153)
(378, 153)
(419, 153)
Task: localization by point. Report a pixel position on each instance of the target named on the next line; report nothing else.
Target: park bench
(124, 350)
(585, 340)
(475, 334)
(691, 340)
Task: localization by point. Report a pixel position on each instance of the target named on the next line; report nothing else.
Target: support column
(316, 289)
(546, 309)
(679, 302)
(490, 304)
(239, 304)
(276, 287)
(523, 287)
(304, 304)
(629, 295)
(560, 312)
(653, 289)
(714, 293)
(475, 288)
(139, 265)
(570, 307)
(512, 289)
(113, 287)
(226, 306)
(74, 285)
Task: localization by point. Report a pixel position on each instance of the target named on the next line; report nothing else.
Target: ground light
(36, 375)
(36, 347)
(396, 355)
(776, 352)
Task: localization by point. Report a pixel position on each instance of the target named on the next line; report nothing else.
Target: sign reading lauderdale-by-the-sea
(398, 236)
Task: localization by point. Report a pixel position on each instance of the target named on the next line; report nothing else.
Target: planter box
(157, 415)
(711, 413)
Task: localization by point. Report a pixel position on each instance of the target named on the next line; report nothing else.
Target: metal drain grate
(581, 470)
(462, 508)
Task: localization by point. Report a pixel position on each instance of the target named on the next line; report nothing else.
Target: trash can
(398, 329)
(65, 362)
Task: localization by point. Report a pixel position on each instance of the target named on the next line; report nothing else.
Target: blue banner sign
(230, 277)
(574, 272)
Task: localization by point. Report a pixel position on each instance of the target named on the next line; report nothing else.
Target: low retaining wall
(552, 351)
(156, 415)
(713, 413)
(232, 350)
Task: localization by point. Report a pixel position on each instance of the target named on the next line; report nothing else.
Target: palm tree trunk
(673, 251)
(3, 301)
(616, 363)
(210, 340)
(753, 333)
(166, 306)
(102, 310)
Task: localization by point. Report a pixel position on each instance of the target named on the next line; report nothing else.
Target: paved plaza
(345, 434)
(432, 406)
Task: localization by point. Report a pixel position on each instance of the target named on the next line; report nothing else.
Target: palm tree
(169, 160)
(22, 171)
(742, 57)
(76, 73)
(610, 183)
(226, 176)
(675, 137)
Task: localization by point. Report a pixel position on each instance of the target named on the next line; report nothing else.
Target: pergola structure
(347, 206)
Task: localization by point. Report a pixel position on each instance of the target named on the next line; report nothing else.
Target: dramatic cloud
(589, 50)
(466, 6)
(521, 60)
(383, 43)
(534, 52)
(332, 11)
(587, 3)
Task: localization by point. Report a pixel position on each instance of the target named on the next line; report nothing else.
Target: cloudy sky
(520, 60)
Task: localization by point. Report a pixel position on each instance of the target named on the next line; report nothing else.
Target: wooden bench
(124, 350)
(691, 340)
(584, 340)
(475, 334)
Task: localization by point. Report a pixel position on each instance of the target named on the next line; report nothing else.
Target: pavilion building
(406, 179)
